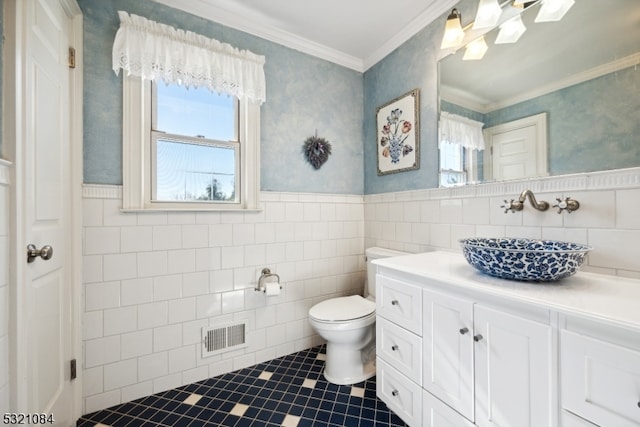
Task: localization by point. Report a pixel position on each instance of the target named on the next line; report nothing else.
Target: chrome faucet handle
(568, 204)
(513, 206)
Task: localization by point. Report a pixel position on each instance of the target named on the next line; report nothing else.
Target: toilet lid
(343, 308)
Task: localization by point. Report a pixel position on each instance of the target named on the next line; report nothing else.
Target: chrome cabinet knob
(394, 347)
(395, 392)
(32, 252)
(464, 331)
(394, 302)
(477, 338)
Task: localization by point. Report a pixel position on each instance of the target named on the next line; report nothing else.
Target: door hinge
(72, 57)
(73, 370)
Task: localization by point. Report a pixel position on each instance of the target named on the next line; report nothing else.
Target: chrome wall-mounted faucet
(517, 205)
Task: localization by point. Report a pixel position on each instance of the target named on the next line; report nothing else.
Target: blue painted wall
(591, 126)
(304, 93)
(412, 65)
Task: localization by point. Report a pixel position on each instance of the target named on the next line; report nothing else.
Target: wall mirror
(579, 75)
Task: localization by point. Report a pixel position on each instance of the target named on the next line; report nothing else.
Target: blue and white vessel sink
(524, 259)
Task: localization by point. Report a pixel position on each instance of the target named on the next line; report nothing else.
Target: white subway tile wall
(608, 218)
(153, 280)
(160, 277)
(4, 287)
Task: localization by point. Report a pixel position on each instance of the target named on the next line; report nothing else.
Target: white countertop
(611, 299)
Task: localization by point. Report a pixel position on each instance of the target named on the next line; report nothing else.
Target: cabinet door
(567, 419)
(600, 380)
(513, 370)
(448, 350)
(437, 414)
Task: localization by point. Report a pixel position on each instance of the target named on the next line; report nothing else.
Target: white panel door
(516, 149)
(44, 308)
(513, 370)
(514, 154)
(448, 350)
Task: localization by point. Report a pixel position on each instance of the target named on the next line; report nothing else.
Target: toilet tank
(371, 254)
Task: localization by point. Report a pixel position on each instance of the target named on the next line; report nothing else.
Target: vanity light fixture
(475, 50)
(553, 10)
(489, 12)
(453, 33)
(511, 31)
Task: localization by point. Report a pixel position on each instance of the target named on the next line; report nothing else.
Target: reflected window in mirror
(459, 139)
(452, 165)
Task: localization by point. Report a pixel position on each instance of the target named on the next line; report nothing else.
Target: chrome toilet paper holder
(265, 274)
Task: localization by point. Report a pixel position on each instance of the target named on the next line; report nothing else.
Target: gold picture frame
(398, 134)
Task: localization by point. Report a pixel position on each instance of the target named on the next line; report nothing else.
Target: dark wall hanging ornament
(316, 150)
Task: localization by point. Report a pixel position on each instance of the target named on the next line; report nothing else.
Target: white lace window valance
(460, 130)
(156, 51)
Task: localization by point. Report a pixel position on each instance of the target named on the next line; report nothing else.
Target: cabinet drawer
(400, 303)
(436, 414)
(600, 381)
(400, 348)
(402, 396)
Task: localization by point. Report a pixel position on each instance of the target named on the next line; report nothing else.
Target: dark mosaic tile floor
(289, 391)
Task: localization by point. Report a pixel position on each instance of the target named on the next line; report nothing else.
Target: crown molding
(601, 70)
(268, 32)
(429, 15)
(467, 101)
(235, 19)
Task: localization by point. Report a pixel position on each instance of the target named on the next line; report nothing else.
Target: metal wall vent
(219, 339)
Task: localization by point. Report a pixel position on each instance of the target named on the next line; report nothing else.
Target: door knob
(32, 252)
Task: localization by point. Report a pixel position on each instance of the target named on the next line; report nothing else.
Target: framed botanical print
(398, 134)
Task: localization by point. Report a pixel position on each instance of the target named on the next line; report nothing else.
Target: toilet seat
(342, 309)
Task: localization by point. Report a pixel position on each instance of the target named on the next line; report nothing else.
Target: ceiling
(353, 33)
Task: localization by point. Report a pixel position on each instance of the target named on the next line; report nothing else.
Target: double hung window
(195, 146)
(191, 119)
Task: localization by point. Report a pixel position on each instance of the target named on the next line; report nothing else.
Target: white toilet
(348, 326)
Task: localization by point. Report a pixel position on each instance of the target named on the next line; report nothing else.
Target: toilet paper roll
(272, 288)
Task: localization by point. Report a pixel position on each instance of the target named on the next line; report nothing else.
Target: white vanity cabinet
(456, 348)
(600, 374)
(399, 347)
(490, 365)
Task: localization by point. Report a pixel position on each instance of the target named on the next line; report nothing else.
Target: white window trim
(136, 157)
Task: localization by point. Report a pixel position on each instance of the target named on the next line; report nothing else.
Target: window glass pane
(449, 178)
(451, 157)
(194, 172)
(195, 112)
